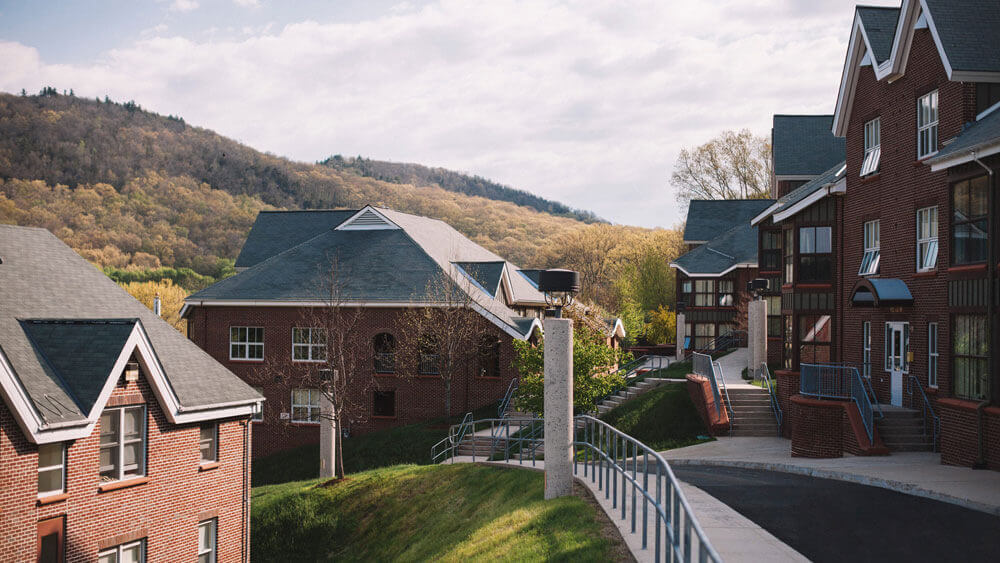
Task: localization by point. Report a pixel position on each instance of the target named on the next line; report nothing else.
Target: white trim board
(714, 275)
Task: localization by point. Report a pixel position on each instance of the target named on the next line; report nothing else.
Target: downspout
(991, 269)
(245, 539)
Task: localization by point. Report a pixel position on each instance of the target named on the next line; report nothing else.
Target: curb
(898, 486)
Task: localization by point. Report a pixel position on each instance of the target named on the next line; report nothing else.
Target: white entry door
(897, 344)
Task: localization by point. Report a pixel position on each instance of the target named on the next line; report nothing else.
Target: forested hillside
(151, 198)
(423, 176)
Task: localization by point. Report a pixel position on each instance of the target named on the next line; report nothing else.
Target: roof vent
(367, 219)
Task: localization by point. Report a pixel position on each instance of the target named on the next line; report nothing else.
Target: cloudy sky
(586, 102)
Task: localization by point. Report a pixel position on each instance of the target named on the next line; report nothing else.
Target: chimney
(156, 306)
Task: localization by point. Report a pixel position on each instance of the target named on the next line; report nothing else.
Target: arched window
(430, 358)
(385, 353)
(489, 357)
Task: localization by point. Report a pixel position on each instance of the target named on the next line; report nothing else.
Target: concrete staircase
(632, 392)
(902, 430)
(752, 414)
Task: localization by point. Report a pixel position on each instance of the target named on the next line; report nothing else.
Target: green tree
(733, 165)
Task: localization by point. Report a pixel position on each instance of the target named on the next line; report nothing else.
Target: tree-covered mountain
(419, 175)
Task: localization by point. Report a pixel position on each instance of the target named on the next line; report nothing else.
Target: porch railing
(927, 410)
(825, 381)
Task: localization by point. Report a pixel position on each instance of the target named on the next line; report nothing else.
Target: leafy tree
(662, 326)
(593, 361)
(733, 165)
(171, 299)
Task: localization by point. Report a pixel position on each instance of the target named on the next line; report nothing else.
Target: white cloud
(584, 102)
(183, 6)
(247, 3)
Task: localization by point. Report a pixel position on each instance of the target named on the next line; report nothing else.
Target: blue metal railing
(508, 396)
(765, 375)
(721, 376)
(926, 409)
(450, 443)
(825, 381)
(655, 363)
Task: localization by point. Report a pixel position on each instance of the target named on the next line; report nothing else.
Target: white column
(756, 335)
(558, 407)
(327, 438)
(681, 334)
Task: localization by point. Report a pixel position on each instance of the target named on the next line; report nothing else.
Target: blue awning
(879, 292)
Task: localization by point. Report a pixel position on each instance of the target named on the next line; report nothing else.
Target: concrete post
(681, 334)
(327, 438)
(756, 335)
(558, 407)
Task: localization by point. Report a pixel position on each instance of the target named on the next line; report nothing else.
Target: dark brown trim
(968, 268)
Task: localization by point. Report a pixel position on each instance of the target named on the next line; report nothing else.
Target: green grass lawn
(663, 418)
(415, 513)
(678, 370)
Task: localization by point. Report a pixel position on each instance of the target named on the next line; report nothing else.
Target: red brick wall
(417, 398)
(993, 437)
(165, 510)
(817, 427)
(700, 390)
(788, 385)
(959, 441)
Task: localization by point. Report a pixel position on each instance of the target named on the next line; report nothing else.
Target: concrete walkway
(734, 537)
(915, 473)
(732, 365)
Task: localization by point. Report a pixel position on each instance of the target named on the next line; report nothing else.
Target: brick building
(119, 439)
(264, 322)
(910, 217)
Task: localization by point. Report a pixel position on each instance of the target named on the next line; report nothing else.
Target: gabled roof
(978, 139)
(61, 322)
(275, 231)
(880, 28)
(707, 218)
(802, 145)
(803, 196)
(964, 32)
(378, 267)
(735, 248)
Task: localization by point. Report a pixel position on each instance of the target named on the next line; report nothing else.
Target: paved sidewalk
(734, 537)
(732, 365)
(915, 473)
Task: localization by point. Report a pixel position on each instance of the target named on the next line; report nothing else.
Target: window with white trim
(927, 238)
(866, 338)
(308, 344)
(932, 354)
(132, 552)
(873, 147)
(207, 533)
(122, 443)
(927, 124)
(258, 409)
(305, 405)
(246, 343)
(208, 442)
(51, 468)
(869, 263)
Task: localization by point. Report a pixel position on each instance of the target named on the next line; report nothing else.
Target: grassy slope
(663, 418)
(417, 513)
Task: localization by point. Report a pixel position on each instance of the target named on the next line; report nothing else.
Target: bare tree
(450, 334)
(733, 165)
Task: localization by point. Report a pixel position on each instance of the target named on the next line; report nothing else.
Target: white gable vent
(367, 219)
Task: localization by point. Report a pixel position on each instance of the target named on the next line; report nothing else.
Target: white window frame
(117, 550)
(258, 411)
(246, 343)
(310, 347)
(61, 467)
(212, 525)
(308, 406)
(873, 147)
(927, 243)
(140, 470)
(212, 442)
(866, 344)
(932, 355)
(904, 362)
(927, 125)
(872, 256)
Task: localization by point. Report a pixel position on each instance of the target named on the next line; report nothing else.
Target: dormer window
(927, 125)
(873, 147)
(869, 263)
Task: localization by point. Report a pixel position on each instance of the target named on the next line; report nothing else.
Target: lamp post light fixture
(559, 287)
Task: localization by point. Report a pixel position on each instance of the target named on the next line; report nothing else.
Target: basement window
(873, 147)
(384, 404)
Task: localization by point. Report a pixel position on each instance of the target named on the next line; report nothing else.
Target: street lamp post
(559, 287)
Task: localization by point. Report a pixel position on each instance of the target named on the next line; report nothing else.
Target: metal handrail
(609, 456)
(635, 379)
(765, 375)
(701, 364)
(725, 391)
(826, 381)
(505, 402)
(456, 433)
(925, 410)
(731, 339)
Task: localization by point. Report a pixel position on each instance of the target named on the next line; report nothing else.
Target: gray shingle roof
(809, 188)
(880, 27)
(736, 246)
(969, 32)
(803, 145)
(532, 276)
(276, 231)
(707, 218)
(985, 131)
(42, 278)
(486, 274)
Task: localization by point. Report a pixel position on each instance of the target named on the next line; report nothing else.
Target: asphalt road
(828, 520)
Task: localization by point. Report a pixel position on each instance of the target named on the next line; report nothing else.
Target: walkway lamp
(559, 287)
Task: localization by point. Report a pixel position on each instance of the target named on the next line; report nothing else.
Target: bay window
(971, 356)
(726, 293)
(814, 339)
(969, 221)
(704, 293)
(815, 258)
